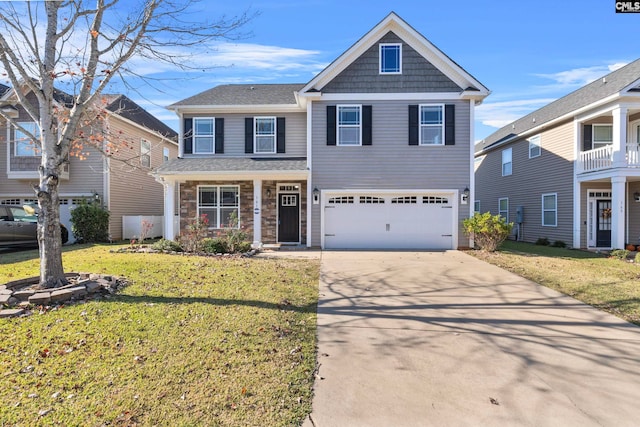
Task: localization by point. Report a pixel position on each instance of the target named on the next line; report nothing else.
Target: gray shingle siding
(418, 74)
(390, 162)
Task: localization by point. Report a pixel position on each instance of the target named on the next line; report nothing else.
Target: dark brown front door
(288, 218)
(603, 225)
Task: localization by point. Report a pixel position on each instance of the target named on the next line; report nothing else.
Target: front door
(603, 224)
(289, 218)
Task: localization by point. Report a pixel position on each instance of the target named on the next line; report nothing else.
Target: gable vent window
(431, 200)
(342, 200)
(370, 200)
(390, 58)
(411, 200)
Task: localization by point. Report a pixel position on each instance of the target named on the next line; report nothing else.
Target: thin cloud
(499, 114)
(580, 76)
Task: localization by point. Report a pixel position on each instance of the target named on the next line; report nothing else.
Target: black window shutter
(248, 135)
(219, 135)
(587, 137)
(449, 124)
(280, 133)
(187, 137)
(366, 125)
(331, 125)
(413, 125)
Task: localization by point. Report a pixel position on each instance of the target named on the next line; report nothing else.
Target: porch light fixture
(636, 196)
(316, 196)
(268, 193)
(464, 197)
(466, 191)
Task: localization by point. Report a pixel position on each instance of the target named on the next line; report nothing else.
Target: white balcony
(602, 158)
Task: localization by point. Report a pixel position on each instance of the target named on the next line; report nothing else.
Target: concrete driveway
(442, 339)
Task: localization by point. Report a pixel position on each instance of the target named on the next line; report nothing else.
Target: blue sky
(526, 53)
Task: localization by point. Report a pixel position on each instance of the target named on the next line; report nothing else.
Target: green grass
(606, 283)
(191, 341)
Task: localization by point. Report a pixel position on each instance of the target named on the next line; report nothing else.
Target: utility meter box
(520, 214)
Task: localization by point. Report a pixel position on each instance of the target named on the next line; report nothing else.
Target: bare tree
(85, 46)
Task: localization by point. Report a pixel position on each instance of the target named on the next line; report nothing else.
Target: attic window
(390, 58)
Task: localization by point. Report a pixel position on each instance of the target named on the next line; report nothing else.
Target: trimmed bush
(487, 230)
(543, 241)
(213, 246)
(637, 258)
(167, 246)
(90, 223)
(621, 254)
(559, 244)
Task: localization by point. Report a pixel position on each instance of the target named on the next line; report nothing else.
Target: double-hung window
(203, 135)
(535, 149)
(145, 153)
(220, 205)
(349, 124)
(503, 208)
(165, 155)
(602, 135)
(390, 58)
(265, 135)
(24, 146)
(431, 124)
(550, 210)
(507, 164)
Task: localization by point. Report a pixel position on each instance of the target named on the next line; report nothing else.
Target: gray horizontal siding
(418, 74)
(295, 137)
(551, 172)
(390, 163)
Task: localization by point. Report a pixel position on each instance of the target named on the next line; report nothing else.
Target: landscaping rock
(93, 286)
(4, 299)
(61, 295)
(11, 312)
(40, 298)
(78, 291)
(24, 294)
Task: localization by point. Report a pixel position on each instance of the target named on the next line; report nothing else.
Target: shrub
(190, 239)
(90, 223)
(637, 258)
(542, 241)
(559, 244)
(487, 231)
(167, 246)
(214, 246)
(621, 254)
(233, 238)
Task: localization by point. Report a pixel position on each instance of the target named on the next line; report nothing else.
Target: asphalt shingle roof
(123, 106)
(231, 164)
(3, 89)
(245, 94)
(610, 84)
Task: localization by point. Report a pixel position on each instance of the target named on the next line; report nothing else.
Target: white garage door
(397, 220)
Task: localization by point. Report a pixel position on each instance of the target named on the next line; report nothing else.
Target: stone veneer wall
(189, 209)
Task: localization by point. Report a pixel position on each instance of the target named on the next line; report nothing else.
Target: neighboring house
(375, 152)
(571, 168)
(122, 188)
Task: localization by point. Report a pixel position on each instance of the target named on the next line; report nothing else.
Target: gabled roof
(413, 38)
(243, 94)
(126, 108)
(615, 83)
(3, 89)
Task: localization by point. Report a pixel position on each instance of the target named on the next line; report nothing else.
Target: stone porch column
(169, 207)
(620, 137)
(257, 214)
(618, 209)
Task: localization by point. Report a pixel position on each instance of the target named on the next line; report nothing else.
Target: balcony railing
(602, 158)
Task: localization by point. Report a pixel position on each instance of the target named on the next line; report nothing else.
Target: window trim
(421, 125)
(274, 135)
(37, 150)
(535, 142)
(219, 207)
(477, 206)
(339, 126)
(145, 153)
(381, 47)
(510, 162)
(507, 210)
(554, 210)
(593, 136)
(165, 154)
(194, 135)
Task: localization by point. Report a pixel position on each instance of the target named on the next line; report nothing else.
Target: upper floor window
(203, 135)
(507, 164)
(535, 149)
(145, 153)
(431, 124)
(265, 135)
(390, 58)
(349, 125)
(165, 154)
(602, 135)
(24, 146)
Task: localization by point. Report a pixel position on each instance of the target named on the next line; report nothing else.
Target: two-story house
(570, 171)
(376, 151)
(120, 181)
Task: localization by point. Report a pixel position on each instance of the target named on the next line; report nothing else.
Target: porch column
(169, 207)
(257, 213)
(620, 137)
(618, 210)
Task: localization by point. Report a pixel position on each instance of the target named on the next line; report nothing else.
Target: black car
(19, 226)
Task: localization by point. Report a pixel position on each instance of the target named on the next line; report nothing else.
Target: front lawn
(605, 283)
(191, 341)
